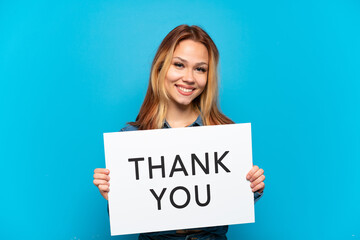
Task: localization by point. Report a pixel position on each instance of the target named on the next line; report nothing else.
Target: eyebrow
(200, 63)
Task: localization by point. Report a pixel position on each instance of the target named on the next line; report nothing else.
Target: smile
(184, 90)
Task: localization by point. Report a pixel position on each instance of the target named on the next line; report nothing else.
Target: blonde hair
(153, 110)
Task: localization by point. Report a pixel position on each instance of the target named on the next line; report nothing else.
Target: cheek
(172, 76)
(202, 82)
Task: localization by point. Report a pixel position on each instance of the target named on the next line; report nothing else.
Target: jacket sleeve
(257, 196)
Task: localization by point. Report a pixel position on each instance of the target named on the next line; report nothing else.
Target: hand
(256, 177)
(101, 180)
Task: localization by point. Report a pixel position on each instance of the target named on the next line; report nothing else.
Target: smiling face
(187, 76)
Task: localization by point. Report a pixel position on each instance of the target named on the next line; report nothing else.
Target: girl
(183, 92)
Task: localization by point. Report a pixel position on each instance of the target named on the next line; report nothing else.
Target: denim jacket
(218, 232)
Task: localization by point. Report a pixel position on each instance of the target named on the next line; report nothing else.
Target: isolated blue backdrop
(71, 70)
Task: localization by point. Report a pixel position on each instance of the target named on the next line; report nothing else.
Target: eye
(178, 64)
(201, 69)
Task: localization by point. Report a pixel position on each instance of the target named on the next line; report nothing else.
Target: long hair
(153, 110)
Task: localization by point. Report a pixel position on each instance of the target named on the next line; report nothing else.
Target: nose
(189, 76)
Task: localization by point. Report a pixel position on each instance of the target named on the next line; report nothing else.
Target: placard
(179, 178)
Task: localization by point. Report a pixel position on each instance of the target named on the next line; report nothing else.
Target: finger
(260, 187)
(101, 176)
(257, 181)
(105, 195)
(97, 182)
(102, 170)
(257, 174)
(251, 172)
(104, 188)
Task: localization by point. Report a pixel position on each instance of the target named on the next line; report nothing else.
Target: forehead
(192, 51)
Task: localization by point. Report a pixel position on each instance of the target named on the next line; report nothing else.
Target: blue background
(71, 70)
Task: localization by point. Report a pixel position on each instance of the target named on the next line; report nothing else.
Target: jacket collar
(198, 122)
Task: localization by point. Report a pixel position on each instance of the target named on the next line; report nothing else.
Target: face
(187, 75)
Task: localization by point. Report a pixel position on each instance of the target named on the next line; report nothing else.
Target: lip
(185, 87)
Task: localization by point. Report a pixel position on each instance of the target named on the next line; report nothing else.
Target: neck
(180, 116)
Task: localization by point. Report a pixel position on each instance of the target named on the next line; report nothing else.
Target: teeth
(185, 89)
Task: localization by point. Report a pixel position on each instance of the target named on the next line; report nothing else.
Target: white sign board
(179, 178)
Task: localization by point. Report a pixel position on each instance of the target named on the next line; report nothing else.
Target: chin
(183, 103)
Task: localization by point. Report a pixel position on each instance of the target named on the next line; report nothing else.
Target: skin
(188, 70)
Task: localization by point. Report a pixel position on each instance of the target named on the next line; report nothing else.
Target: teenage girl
(183, 92)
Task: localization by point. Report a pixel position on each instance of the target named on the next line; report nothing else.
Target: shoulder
(128, 128)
